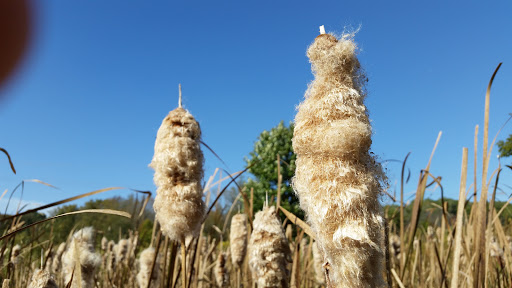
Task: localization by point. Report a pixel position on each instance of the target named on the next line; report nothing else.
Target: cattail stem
(460, 214)
(155, 257)
(183, 263)
(279, 180)
(179, 99)
(238, 276)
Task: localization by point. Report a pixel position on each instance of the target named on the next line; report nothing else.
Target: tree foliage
(263, 165)
(505, 147)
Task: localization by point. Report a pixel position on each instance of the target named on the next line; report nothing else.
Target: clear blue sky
(83, 110)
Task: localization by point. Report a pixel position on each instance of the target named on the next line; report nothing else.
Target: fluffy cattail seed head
(122, 248)
(110, 261)
(337, 179)
(269, 252)
(56, 263)
(394, 248)
(42, 279)
(81, 249)
(238, 239)
(16, 250)
(178, 165)
(221, 272)
(104, 243)
(495, 249)
(146, 262)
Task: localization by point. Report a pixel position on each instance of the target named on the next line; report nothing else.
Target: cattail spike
(145, 264)
(178, 164)
(179, 100)
(337, 179)
(322, 29)
(269, 252)
(238, 239)
(42, 279)
(81, 253)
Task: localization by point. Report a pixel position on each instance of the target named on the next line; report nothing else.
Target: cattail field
(326, 213)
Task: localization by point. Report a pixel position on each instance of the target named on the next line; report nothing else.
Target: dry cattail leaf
(337, 179)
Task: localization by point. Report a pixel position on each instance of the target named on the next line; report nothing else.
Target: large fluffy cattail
(146, 263)
(337, 179)
(42, 279)
(81, 250)
(269, 252)
(178, 165)
(238, 239)
(221, 272)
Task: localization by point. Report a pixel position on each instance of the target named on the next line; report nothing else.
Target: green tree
(263, 165)
(505, 147)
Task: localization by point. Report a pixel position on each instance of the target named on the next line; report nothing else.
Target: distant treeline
(111, 226)
(115, 227)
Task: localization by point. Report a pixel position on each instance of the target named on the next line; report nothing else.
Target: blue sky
(83, 109)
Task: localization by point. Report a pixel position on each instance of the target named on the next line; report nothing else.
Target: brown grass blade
(222, 192)
(397, 279)
(416, 210)
(215, 154)
(480, 243)
(402, 223)
(62, 202)
(10, 161)
(153, 264)
(41, 182)
(297, 221)
(68, 285)
(100, 211)
(146, 200)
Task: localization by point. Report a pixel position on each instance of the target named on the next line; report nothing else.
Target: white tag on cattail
(322, 29)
